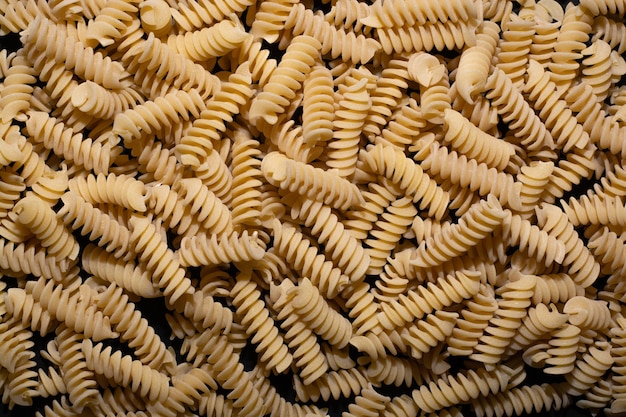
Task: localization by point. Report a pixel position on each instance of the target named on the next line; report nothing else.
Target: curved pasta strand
(211, 214)
(336, 384)
(609, 250)
(595, 210)
(398, 13)
(196, 14)
(318, 106)
(422, 337)
(17, 89)
(395, 166)
(587, 313)
(519, 37)
(385, 96)
(247, 176)
(210, 42)
(588, 370)
(96, 101)
(473, 68)
(122, 190)
(234, 247)
(519, 400)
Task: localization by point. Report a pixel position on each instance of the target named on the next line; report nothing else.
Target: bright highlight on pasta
(330, 207)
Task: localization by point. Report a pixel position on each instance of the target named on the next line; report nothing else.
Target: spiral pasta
(398, 13)
(202, 250)
(207, 43)
(525, 399)
(121, 190)
(595, 210)
(17, 89)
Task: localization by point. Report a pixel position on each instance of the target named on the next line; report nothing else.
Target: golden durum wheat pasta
(322, 208)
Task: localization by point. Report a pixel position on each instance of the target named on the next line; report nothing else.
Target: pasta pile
(336, 207)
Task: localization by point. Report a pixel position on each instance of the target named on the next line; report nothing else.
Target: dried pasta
(312, 208)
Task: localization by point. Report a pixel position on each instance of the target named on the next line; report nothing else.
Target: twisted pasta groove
(159, 259)
(122, 190)
(361, 221)
(335, 384)
(27, 258)
(603, 7)
(554, 111)
(609, 250)
(595, 210)
(515, 110)
(110, 268)
(338, 43)
(475, 225)
(79, 380)
(205, 207)
(108, 232)
(398, 13)
(302, 256)
(194, 14)
(257, 322)
(22, 306)
(94, 100)
(445, 392)
(17, 90)
(588, 370)
(38, 217)
(153, 116)
(196, 145)
(318, 106)
(156, 161)
(588, 314)
(314, 183)
(428, 332)
(582, 267)
(555, 288)
(517, 231)
(526, 399)
(561, 355)
(506, 321)
(209, 42)
(386, 95)
(233, 247)
(123, 370)
(247, 182)
(133, 328)
(539, 322)
(111, 22)
(51, 383)
(475, 61)
(426, 37)
(207, 312)
(598, 67)
(286, 80)
(469, 140)
(611, 31)
(9, 152)
(475, 319)
(57, 43)
(408, 123)
(414, 304)
(395, 166)
(348, 14)
(515, 48)
(345, 251)
(15, 343)
(51, 186)
(307, 354)
(368, 403)
(71, 146)
(534, 178)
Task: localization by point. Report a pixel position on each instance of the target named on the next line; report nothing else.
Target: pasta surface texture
(290, 208)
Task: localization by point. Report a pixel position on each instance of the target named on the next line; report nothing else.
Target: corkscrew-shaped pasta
(302, 256)
(318, 106)
(152, 60)
(270, 18)
(611, 31)
(368, 403)
(152, 116)
(54, 41)
(133, 328)
(339, 245)
(385, 96)
(555, 288)
(475, 319)
(122, 190)
(336, 384)
(233, 247)
(478, 223)
(588, 370)
(414, 304)
(469, 140)
(595, 210)
(38, 216)
(432, 35)
(9, 152)
(562, 352)
(554, 111)
(206, 208)
(316, 313)
(206, 129)
(581, 265)
(538, 243)
(167, 206)
(247, 176)
(79, 380)
(534, 178)
(68, 306)
(387, 233)
(210, 42)
(350, 118)
(215, 174)
(64, 142)
(194, 14)
(314, 183)
(159, 259)
(506, 321)
(609, 250)
(519, 400)
(473, 68)
(111, 22)
(51, 383)
(428, 332)
(588, 314)
(15, 344)
(28, 258)
(603, 7)
(462, 387)
(156, 161)
(598, 68)
(123, 370)
(518, 39)
(17, 89)
(398, 13)
(348, 14)
(338, 43)
(51, 186)
(96, 101)
(307, 354)
(205, 311)
(108, 232)
(578, 164)
(11, 188)
(395, 166)
(540, 321)
(255, 317)
(286, 80)
(22, 306)
(515, 110)
(125, 274)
